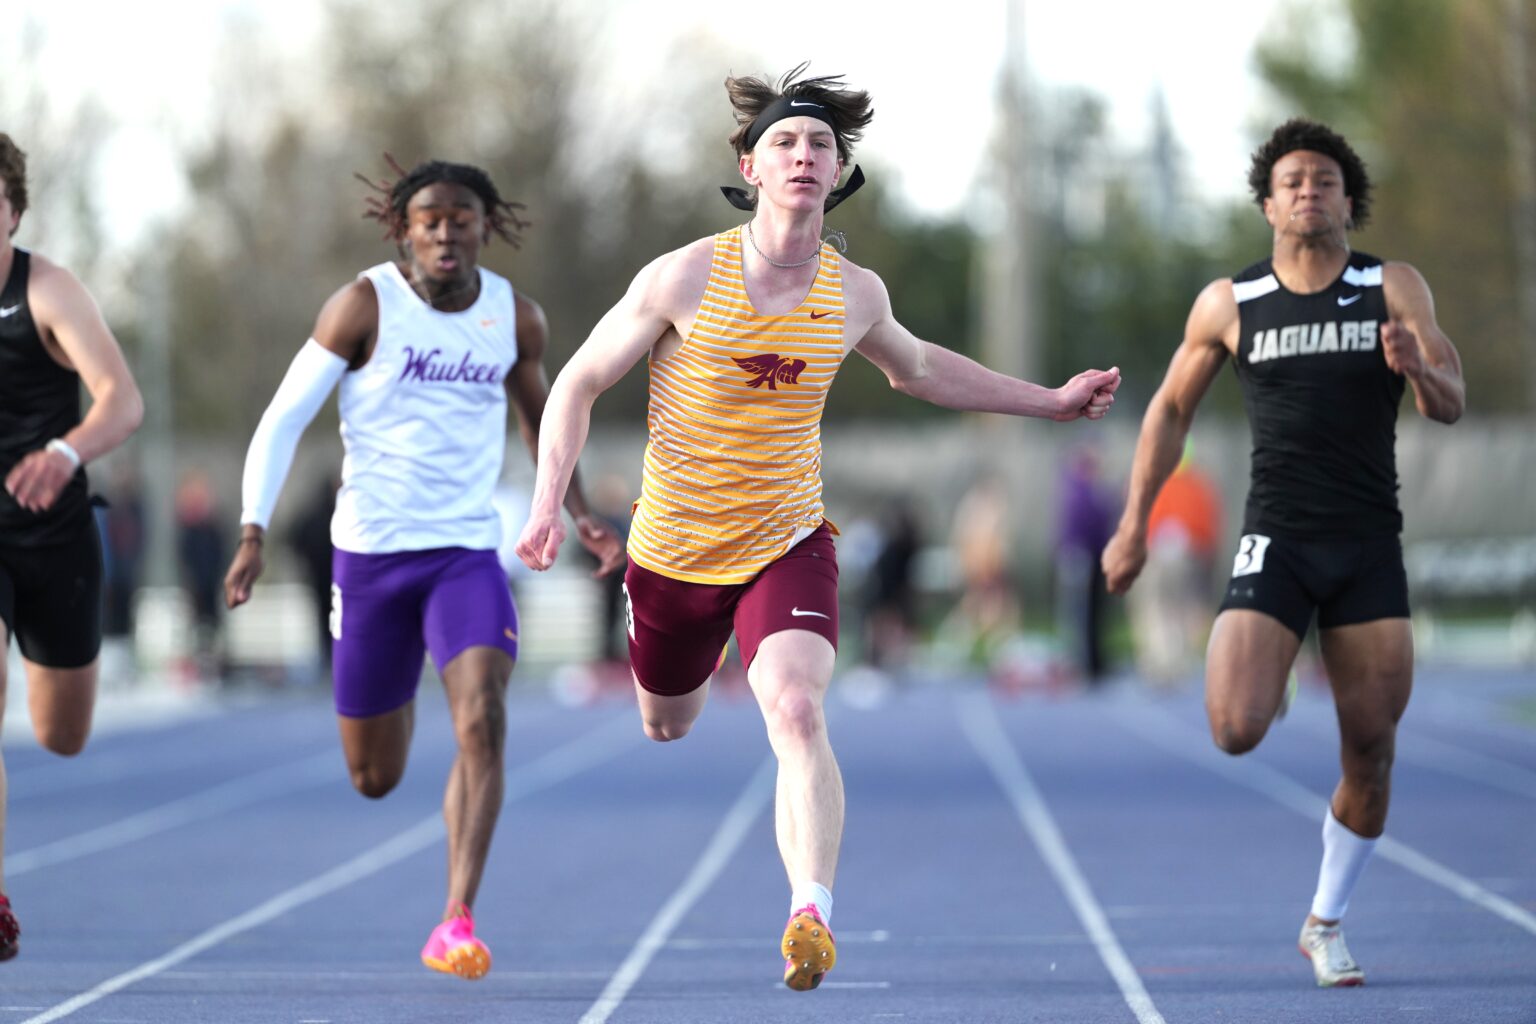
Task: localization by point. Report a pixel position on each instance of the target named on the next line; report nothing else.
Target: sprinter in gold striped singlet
(745, 331)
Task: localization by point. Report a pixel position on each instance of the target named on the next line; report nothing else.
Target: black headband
(787, 106)
(778, 110)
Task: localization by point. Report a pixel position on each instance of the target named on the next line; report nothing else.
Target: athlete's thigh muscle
(1246, 666)
(1370, 668)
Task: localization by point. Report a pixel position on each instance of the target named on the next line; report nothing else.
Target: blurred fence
(1468, 493)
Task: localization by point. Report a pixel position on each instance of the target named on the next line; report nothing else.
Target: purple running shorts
(388, 610)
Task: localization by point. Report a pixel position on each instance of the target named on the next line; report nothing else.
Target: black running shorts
(50, 599)
(1345, 581)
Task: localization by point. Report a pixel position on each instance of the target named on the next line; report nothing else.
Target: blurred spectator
(890, 611)
(310, 540)
(123, 536)
(612, 499)
(201, 551)
(1084, 523)
(1172, 606)
(988, 612)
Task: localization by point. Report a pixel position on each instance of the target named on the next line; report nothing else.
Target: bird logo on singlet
(772, 368)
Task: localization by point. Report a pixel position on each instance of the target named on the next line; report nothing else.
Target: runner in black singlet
(52, 340)
(1324, 341)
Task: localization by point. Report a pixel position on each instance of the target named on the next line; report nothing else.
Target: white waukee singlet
(424, 422)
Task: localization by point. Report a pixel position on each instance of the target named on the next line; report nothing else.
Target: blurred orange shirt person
(1189, 509)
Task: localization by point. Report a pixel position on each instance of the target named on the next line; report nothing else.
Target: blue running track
(1083, 859)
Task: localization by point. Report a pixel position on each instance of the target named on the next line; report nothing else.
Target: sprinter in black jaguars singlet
(52, 340)
(1324, 341)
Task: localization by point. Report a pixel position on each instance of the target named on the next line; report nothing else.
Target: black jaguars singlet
(39, 400)
(1322, 405)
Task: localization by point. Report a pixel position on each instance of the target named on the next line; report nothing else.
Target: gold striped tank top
(733, 458)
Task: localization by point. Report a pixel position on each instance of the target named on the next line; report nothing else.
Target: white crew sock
(812, 892)
(1344, 857)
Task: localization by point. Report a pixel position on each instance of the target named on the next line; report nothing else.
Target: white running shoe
(1323, 944)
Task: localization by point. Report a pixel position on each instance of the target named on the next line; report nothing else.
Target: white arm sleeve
(310, 378)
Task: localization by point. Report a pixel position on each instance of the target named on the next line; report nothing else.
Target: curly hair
(13, 168)
(389, 206)
(1299, 133)
(851, 112)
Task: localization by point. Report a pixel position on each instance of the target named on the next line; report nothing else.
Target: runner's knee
(794, 713)
(374, 781)
(1235, 735)
(62, 739)
(664, 730)
(1368, 758)
(481, 728)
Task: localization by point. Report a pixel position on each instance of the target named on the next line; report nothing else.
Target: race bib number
(335, 611)
(629, 611)
(1250, 555)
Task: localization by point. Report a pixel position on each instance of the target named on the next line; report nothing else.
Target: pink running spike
(453, 949)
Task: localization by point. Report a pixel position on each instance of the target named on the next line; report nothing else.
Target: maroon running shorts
(678, 630)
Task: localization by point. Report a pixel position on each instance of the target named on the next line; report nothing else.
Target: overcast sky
(934, 70)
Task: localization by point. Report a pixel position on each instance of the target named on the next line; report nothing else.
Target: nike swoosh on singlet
(818, 315)
(8, 310)
(1345, 300)
(797, 613)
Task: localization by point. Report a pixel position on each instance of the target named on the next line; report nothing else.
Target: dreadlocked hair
(389, 205)
(851, 111)
(1299, 133)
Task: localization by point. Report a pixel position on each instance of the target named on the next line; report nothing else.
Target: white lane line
(979, 720)
(733, 829)
(1281, 788)
(582, 753)
(276, 781)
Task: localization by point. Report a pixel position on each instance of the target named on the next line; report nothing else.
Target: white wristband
(64, 448)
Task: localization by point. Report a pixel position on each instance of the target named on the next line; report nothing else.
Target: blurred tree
(64, 138)
(275, 223)
(1423, 92)
(612, 175)
(1123, 253)
(928, 269)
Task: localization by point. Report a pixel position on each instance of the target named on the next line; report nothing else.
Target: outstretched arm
(945, 378)
(528, 386)
(346, 324)
(64, 312)
(1414, 346)
(624, 335)
(1195, 364)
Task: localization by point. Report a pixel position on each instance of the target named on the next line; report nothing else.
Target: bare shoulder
(530, 315)
(53, 289)
(1408, 295)
(859, 282)
(864, 294)
(349, 318)
(532, 328)
(1214, 316)
(1399, 278)
(354, 301)
(676, 280)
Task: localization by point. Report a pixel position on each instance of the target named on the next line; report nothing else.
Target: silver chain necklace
(776, 263)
